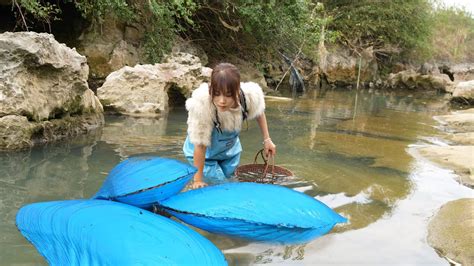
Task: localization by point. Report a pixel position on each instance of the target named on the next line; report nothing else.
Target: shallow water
(353, 151)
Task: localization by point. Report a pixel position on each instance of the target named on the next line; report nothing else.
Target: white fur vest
(202, 113)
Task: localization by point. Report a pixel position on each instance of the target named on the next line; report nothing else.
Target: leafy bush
(453, 35)
(159, 17)
(255, 29)
(392, 28)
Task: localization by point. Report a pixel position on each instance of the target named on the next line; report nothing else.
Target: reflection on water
(349, 152)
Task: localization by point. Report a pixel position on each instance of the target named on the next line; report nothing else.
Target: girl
(215, 116)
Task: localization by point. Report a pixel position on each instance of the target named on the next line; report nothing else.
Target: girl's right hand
(198, 184)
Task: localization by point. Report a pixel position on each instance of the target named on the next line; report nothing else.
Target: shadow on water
(355, 162)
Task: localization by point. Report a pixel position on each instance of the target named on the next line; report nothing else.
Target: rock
(143, 90)
(459, 121)
(409, 79)
(450, 231)
(91, 103)
(399, 67)
(39, 77)
(458, 158)
(44, 93)
(464, 92)
(463, 72)
(19, 133)
(123, 54)
(57, 129)
(343, 68)
(462, 138)
(187, 47)
(249, 72)
(16, 132)
(182, 58)
(111, 45)
(428, 69)
(132, 34)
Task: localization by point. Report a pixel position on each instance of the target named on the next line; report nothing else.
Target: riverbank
(447, 228)
(458, 152)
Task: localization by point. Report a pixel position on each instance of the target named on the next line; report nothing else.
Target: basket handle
(265, 171)
(256, 156)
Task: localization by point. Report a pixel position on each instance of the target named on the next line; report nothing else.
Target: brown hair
(225, 78)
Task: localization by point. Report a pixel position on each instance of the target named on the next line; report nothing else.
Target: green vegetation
(247, 28)
(392, 28)
(453, 35)
(161, 19)
(257, 29)
(41, 11)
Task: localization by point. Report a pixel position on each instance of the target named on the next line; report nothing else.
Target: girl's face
(223, 101)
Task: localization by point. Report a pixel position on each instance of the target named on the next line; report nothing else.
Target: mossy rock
(450, 231)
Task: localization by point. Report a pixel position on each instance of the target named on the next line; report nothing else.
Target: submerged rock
(143, 90)
(44, 93)
(458, 157)
(461, 121)
(450, 231)
(462, 138)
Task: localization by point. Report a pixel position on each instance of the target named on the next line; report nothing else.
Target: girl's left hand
(269, 148)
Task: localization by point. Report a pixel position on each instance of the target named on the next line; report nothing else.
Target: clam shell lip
(105, 232)
(155, 187)
(250, 222)
(142, 173)
(262, 204)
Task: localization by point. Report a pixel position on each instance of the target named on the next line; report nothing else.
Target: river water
(354, 151)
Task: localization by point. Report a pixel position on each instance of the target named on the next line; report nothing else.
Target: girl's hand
(269, 148)
(198, 184)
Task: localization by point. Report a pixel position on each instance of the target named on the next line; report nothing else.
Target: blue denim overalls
(222, 156)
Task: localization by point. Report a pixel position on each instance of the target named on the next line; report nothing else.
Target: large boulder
(44, 93)
(16, 132)
(342, 67)
(450, 231)
(116, 43)
(143, 90)
(462, 72)
(188, 47)
(464, 92)
(412, 80)
(110, 46)
(248, 72)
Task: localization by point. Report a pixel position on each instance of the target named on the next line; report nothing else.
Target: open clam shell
(145, 180)
(259, 212)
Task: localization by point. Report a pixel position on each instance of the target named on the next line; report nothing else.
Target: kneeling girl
(215, 116)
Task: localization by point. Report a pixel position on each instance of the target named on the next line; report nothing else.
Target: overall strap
(243, 105)
(217, 124)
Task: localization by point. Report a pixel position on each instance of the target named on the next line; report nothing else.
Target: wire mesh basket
(262, 173)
